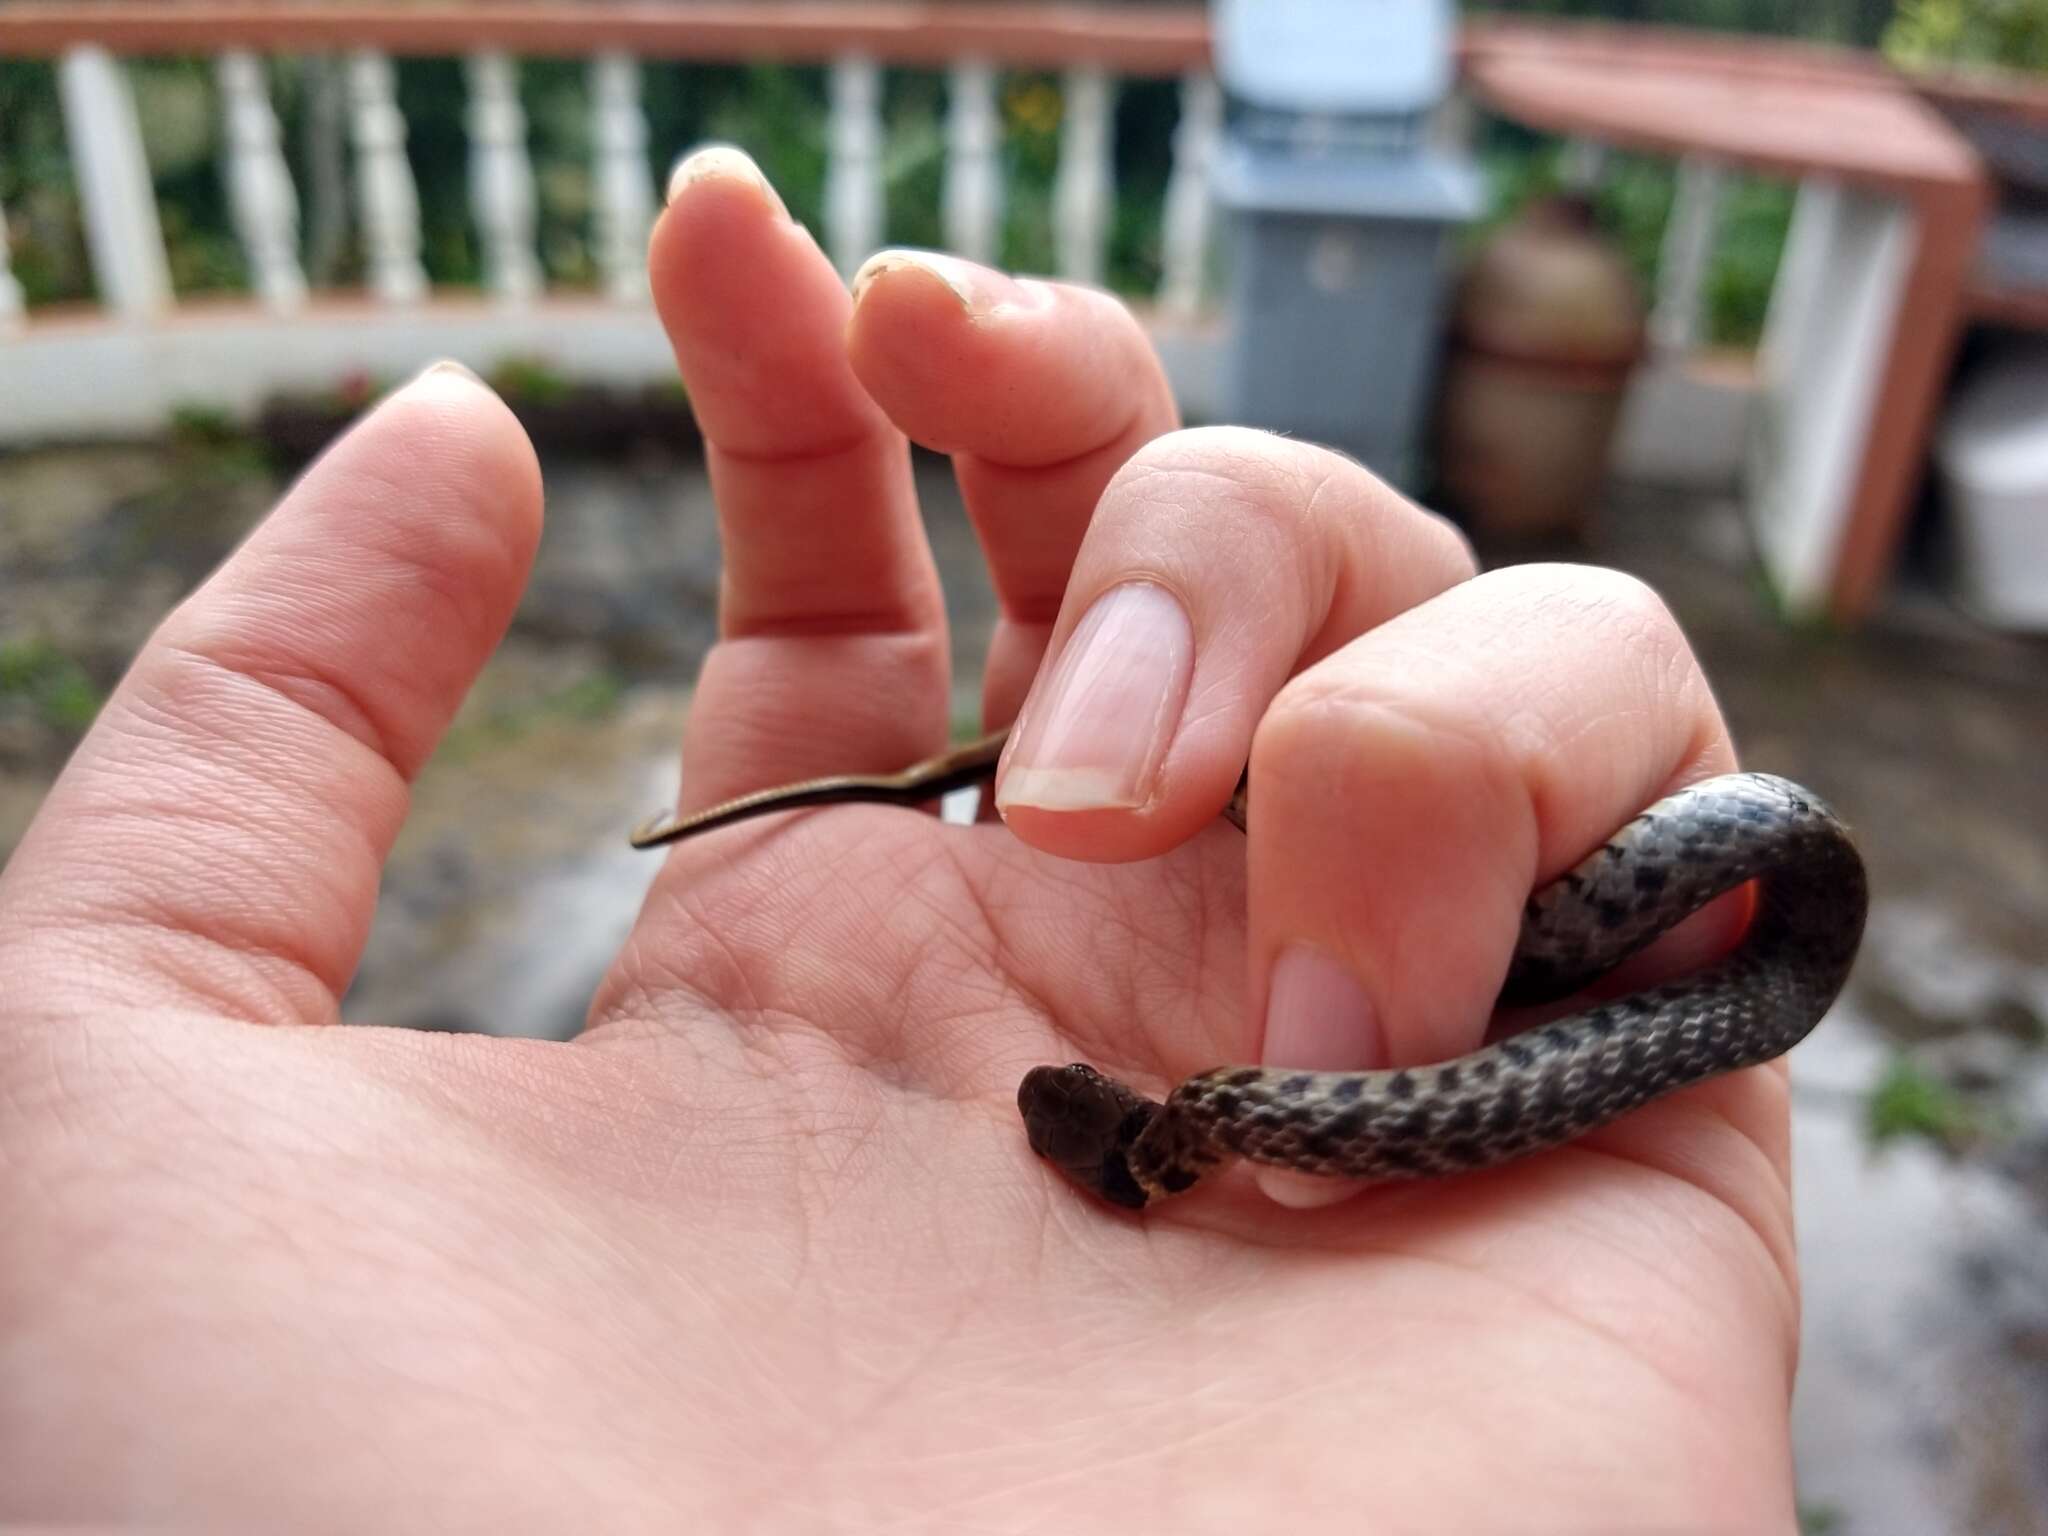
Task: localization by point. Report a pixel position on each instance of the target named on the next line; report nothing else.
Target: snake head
(1083, 1124)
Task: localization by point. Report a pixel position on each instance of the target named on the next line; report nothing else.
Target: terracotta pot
(1546, 329)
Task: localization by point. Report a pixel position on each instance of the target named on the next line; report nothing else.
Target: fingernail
(1317, 1018)
(450, 366)
(1096, 727)
(723, 161)
(962, 279)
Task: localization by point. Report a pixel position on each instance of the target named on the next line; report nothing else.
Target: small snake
(1520, 1095)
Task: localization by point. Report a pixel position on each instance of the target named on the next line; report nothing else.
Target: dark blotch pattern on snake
(1537, 1089)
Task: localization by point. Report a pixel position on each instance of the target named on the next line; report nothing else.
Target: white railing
(131, 362)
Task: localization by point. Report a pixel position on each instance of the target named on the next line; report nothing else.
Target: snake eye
(1071, 1115)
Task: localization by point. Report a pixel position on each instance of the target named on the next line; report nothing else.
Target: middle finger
(832, 652)
(1039, 391)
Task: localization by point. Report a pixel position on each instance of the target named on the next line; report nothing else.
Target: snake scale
(1519, 1095)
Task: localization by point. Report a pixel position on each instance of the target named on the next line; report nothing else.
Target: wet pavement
(1923, 1396)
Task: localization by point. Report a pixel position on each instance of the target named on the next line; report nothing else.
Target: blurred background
(1749, 297)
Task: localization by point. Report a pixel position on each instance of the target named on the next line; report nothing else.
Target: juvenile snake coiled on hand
(1523, 1094)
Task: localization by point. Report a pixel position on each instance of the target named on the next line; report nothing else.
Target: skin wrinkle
(1535, 1297)
(225, 730)
(895, 1383)
(179, 961)
(1695, 1210)
(654, 978)
(438, 544)
(334, 704)
(872, 1054)
(76, 958)
(855, 624)
(1530, 759)
(1066, 460)
(868, 438)
(235, 862)
(1767, 1224)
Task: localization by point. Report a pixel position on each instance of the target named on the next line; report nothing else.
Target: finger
(832, 651)
(1039, 391)
(1411, 791)
(218, 837)
(1219, 562)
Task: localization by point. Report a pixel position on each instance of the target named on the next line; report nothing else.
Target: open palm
(764, 1248)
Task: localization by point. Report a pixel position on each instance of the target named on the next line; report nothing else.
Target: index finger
(832, 653)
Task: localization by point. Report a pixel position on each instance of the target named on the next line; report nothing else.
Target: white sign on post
(1350, 57)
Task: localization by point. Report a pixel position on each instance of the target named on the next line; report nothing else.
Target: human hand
(764, 1249)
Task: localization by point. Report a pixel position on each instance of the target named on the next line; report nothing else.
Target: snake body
(1522, 1094)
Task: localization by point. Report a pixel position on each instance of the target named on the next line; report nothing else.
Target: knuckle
(1331, 728)
(1234, 471)
(1610, 600)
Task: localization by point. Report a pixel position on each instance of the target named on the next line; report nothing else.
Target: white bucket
(1992, 460)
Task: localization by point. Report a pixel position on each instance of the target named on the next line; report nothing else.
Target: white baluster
(12, 305)
(1582, 165)
(624, 191)
(326, 189)
(259, 186)
(1184, 233)
(853, 169)
(1082, 195)
(974, 188)
(501, 179)
(385, 192)
(114, 187)
(1675, 318)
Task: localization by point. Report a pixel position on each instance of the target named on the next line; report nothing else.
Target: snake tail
(1545, 1086)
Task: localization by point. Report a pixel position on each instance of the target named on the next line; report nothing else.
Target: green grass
(51, 683)
(588, 698)
(1908, 1101)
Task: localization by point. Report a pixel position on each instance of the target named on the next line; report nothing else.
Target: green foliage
(1855, 22)
(213, 446)
(1032, 109)
(776, 113)
(1755, 216)
(180, 110)
(588, 698)
(46, 241)
(1908, 1101)
(914, 157)
(591, 698)
(2012, 33)
(1633, 202)
(529, 381)
(434, 100)
(556, 96)
(1147, 112)
(53, 684)
(204, 426)
(1820, 1520)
